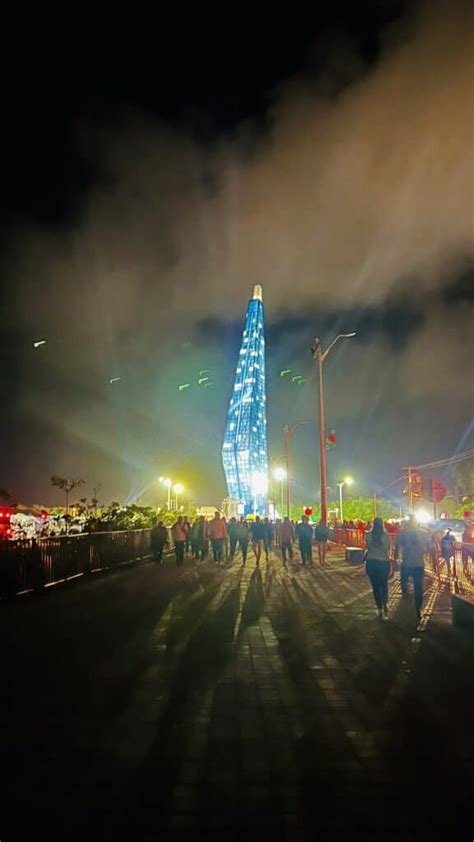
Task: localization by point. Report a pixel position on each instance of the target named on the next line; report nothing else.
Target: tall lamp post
(288, 432)
(319, 356)
(280, 475)
(167, 482)
(345, 481)
(178, 489)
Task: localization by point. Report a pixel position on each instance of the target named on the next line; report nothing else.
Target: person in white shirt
(377, 564)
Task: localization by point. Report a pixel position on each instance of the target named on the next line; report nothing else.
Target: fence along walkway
(462, 561)
(32, 565)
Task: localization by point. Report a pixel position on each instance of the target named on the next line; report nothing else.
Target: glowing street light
(167, 482)
(178, 489)
(345, 481)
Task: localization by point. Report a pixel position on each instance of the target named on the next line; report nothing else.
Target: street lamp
(345, 481)
(178, 489)
(288, 432)
(167, 483)
(280, 475)
(319, 356)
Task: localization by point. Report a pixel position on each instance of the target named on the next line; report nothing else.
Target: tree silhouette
(66, 485)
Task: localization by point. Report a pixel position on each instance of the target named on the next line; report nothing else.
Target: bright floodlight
(423, 516)
(279, 474)
(178, 489)
(259, 483)
(348, 480)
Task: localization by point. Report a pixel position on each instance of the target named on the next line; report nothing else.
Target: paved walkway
(237, 703)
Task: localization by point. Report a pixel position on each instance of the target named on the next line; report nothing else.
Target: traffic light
(416, 485)
(331, 440)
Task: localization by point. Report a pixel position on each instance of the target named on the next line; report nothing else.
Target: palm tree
(66, 485)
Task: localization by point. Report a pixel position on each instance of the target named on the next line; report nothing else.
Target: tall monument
(244, 452)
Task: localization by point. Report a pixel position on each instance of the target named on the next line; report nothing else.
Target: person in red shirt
(217, 533)
(179, 536)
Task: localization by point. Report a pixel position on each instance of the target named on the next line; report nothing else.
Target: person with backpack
(377, 565)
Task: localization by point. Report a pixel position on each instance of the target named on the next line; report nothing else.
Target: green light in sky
(202, 380)
(298, 377)
(184, 386)
(285, 371)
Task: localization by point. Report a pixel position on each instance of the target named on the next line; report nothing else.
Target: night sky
(153, 172)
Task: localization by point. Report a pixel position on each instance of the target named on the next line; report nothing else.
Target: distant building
(206, 511)
(231, 508)
(244, 452)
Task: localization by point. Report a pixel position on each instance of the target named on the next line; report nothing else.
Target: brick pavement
(162, 703)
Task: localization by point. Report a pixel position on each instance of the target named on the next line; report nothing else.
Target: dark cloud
(351, 202)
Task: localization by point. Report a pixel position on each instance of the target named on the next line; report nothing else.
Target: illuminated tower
(244, 452)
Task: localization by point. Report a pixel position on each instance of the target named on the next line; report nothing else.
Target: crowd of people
(224, 537)
(387, 546)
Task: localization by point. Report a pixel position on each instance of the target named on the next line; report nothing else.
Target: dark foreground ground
(236, 703)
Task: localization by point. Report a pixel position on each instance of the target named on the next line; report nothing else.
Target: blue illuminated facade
(244, 452)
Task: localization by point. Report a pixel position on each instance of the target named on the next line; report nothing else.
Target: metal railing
(32, 565)
(462, 559)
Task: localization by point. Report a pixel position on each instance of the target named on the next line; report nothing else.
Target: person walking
(159, 537)
(217, 532)
(257, 531)
(200, 539)
(179, 537)
(304, 531)
(448, 549)
(287, 536)
(377, 564)
(226, 540)
(321, 534)
(188, 531)
(268, 540)
(243, 536)
(233, 536)
(412, 544)
(277, 531)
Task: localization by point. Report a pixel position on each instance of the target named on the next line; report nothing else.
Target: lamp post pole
(288, 432)
(319, 356)
(341, 513)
